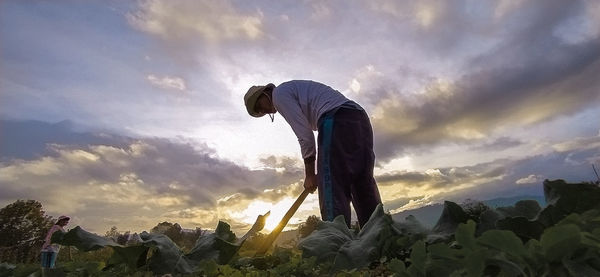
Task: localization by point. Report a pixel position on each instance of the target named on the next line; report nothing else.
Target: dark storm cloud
(532, 76)
(501, 143)
(30, 139)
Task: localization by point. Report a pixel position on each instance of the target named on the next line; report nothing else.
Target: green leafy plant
(335, 242)
(562, 239)
(165, 256)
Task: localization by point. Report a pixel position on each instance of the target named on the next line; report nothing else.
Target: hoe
(273, 235)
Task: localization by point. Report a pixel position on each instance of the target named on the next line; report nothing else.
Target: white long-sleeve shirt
(301, 103)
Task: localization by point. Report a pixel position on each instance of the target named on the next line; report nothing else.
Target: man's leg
(352, 161)
(334, 194)
(365, 194)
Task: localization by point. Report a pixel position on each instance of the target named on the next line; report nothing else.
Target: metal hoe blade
(273, 235)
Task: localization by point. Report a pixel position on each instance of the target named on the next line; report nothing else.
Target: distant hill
(509, 201)
(429, 215)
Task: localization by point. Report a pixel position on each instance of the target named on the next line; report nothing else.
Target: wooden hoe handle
(273, 235)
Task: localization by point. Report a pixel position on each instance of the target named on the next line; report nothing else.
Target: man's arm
(289, 108)
(286, 103)
(310, 178)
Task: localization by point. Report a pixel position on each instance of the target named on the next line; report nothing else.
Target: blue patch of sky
(62, 58)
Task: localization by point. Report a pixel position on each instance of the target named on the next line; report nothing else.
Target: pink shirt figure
(51, 247)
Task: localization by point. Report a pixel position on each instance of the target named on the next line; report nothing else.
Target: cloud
(459, 77)
(444, 178)
(521, 92)
(283, 163)
(29, 139)
(167, 82)
(276, 193)
(531, 179)
(320, 10)
(149, 179)
(212, 21)
(499, 178)
(498, 144)
(423, 14)
(578, 143)
(400, 202)
(194, 216)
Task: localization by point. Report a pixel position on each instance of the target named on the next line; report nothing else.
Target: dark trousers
(48, 259)
(345, 165)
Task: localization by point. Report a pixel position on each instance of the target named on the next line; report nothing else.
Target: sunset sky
(130, 113)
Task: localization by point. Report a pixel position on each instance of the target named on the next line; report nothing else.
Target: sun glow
(260, 207)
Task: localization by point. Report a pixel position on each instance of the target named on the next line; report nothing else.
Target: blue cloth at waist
(346, 105)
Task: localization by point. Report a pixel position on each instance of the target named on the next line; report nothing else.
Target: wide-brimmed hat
(63, 217)
(252, 96)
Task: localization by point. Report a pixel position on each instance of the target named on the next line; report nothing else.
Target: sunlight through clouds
(404, 162)
(413, 204)
(425, 14)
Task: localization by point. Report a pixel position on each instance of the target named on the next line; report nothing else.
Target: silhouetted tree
(474, 208)
(309, 226)
(186, 239)
(118, 237)
(23, 222)
(113, 233)
(123, 238)
(253, 243)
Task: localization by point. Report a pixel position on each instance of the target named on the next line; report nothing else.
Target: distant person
(345, 157)
(50, 250)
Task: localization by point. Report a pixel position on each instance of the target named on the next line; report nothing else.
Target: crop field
(560, 239)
